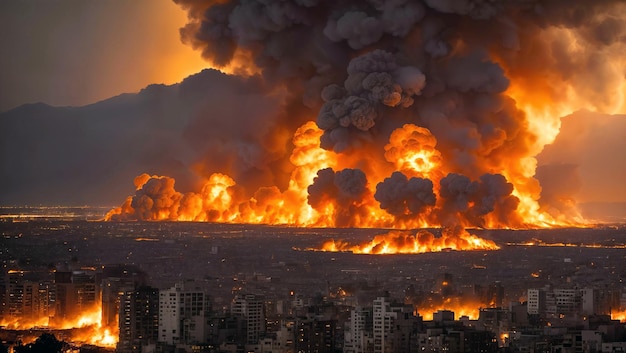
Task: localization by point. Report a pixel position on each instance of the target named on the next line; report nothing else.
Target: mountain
(91, 154)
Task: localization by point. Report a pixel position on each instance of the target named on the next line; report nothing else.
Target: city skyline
(282, 176)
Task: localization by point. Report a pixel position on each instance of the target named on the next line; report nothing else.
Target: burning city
(345, 176)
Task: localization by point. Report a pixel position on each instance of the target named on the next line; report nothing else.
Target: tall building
(536, 301)
(183, 315)
(315, 336)
(393, 326)
(15, 294)
(357, 335)
(75, 292)
(138, 319)
(116, 281)
(385, 327)
(251, 307)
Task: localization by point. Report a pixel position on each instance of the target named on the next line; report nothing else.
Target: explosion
(427, 114)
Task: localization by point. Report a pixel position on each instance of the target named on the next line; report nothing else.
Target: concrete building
(566, 302)
(536, 299)
(183, 315)
(75, 293)
(393, 325)
(250, 307)
(138, 319)
(357, 336)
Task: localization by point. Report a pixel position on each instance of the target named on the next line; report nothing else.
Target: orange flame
(84, 329)
(397, 242)
(411, 149)
(619, 315)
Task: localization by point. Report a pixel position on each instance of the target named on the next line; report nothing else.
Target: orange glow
(84, 329)
(619, 315)
(459, 306)
(412, 150)
(397, 242)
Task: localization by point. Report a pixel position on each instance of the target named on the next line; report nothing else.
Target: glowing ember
(396, 242)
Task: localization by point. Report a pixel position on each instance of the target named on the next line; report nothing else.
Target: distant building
(357, 335)
(252, 308)
(536, 301)
(138, 319)
(183, 315)
(314, 335)
(566, 302)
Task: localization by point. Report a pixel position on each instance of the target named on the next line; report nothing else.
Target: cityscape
(310, 176)
(205, 287)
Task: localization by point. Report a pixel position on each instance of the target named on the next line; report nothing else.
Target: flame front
(397, 242)
(85, 328)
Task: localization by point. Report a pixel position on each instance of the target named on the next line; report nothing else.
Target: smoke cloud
(451, 99)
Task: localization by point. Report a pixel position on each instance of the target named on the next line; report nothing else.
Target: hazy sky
(76, 52)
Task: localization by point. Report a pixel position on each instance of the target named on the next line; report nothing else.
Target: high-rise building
(183, 315)
(251, 307)
(15, 294)
(315, 336)
(536, 301)
(357, 335)
(116, 281)
(138, 319)
(75, 292)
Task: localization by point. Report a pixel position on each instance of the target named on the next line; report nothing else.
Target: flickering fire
(618, 315)
(459, 306)
(398, 242)
(83, 329)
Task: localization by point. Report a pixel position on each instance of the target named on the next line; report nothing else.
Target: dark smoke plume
(466, 71)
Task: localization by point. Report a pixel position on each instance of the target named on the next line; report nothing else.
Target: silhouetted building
(75, 293)
(252, 309)
(138, 319)
(315, 336)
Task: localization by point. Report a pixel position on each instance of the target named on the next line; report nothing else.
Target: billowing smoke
(374, 81)
(343, 191)
(473, 200)
(404, 197)
(441, 106)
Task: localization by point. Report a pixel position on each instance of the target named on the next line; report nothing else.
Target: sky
(76, 52)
